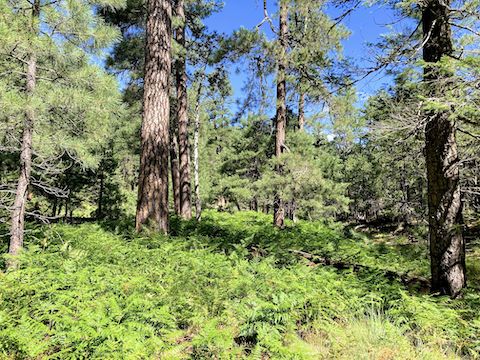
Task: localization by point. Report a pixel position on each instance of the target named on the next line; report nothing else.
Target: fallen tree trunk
(420, 283)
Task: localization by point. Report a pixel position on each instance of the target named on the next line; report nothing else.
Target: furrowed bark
(182, 103)
(281, 116)
(447, 245)
(152, 206)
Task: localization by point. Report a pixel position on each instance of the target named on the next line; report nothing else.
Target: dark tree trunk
(65, 215)
(182, 103)
(100, 196)
(174, 165)
(18, 211)
(152, 206)
(196, 160)
(292, 207)
(301, 112)
(254, 204)
(447, 246)
(281, 116)
(54, 207)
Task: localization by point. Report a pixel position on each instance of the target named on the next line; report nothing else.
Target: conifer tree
(182, 114)
(443, 96)
(447, 246)
(308, 43)
(281, 116)
(18, 211)
(128, 56)
(152, 206)
(46, 46)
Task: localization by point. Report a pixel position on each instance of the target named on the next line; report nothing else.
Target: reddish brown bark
(182, 113)
(152, 206)
(21, 194)
(281, 116)
(447, 245)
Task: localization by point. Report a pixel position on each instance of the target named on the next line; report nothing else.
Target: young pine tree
(55, 101)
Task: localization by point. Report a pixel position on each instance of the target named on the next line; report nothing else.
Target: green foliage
(238, 168)
(225, 288)
(75, 103)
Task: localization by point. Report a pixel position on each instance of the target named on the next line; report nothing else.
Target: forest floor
(232, 287)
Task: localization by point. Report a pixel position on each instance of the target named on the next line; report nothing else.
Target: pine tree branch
(266, 18)
(466, 132)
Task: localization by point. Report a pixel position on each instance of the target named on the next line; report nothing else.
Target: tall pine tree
(152, 206)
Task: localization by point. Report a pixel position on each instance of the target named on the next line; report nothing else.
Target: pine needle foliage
(76, 104)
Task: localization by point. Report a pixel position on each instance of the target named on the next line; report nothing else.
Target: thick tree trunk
(18, 211)
(182, 103)
(447, 246)
(301, 112)
(174, 165)
(281, 116)
(196, 162)
(152, 206)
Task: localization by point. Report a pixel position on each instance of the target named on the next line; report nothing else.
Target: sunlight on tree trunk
(152, 208)
(447, 246)
(18, 212)
(182, 103)
(281, 116)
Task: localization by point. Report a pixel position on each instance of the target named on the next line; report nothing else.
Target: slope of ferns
(228, 288)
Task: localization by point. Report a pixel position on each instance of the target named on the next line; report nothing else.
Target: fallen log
(418, 282)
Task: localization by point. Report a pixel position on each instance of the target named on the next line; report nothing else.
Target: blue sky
(366, 24)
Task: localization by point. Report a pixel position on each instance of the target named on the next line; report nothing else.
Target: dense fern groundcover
(227, 288)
